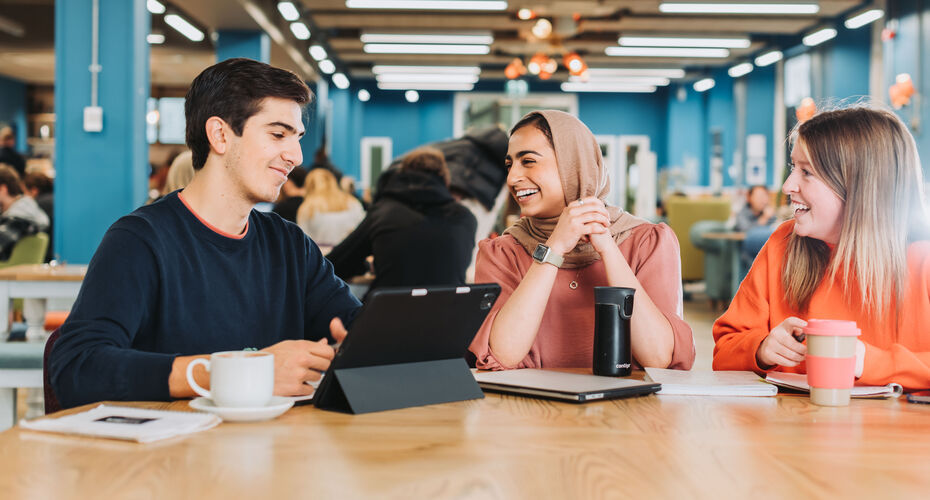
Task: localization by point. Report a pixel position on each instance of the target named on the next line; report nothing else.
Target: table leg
(734, 267)
(35, 403)
(34, 314)
(7, 407)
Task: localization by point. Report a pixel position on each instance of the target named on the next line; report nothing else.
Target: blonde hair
(180, 173)
(322, 195)
(869, 159)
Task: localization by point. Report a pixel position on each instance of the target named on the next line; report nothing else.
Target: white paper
(798, 381)
(710, 383)
(126, 423)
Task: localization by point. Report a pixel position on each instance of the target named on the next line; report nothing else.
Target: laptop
(572, 387)
(406, 348)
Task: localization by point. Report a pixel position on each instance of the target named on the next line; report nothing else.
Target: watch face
(540, 253)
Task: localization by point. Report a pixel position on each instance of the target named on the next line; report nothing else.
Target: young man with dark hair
(21, 215)
(200, 271)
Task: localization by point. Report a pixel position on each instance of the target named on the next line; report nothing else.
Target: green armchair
(28, 250)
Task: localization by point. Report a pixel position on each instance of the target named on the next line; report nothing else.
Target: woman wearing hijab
(568, 242)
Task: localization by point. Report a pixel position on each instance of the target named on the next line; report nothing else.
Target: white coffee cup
(238, 379)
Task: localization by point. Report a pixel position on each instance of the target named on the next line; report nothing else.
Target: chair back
(682, 214)
(28, 250)
(51, 402)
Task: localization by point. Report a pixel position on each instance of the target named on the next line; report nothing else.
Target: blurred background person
(8, 153)
(328, 214)
(758, 210)
(756, 219)
(180, 173)
(41, 188)
(292, 195)
(416, 231)
(21, 214)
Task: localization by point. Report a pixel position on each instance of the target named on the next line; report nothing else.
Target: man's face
(258, 162)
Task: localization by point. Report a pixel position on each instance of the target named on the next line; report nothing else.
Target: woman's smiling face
(533, 174)
(818, 210)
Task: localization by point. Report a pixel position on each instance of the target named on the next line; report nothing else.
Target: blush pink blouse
(566, 333)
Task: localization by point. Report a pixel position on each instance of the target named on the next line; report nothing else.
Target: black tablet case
(406, 349)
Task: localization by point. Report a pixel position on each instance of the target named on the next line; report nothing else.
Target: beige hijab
(581, 168)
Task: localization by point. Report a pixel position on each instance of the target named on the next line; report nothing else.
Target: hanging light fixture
(542, 28)
(575, 64)
(536, 63)
(515, 69)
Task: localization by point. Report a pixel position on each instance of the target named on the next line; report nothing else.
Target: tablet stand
(389, 387)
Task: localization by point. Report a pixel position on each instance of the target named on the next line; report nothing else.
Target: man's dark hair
(538, 121)
(10, 178)
(39, 182)
(427, 159)
(233, 90)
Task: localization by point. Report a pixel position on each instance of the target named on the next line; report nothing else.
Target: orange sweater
(901, 356)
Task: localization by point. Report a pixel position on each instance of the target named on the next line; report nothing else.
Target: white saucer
(275, 407)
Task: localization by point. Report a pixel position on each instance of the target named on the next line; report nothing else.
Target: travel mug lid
(832, 327)
(615, 295)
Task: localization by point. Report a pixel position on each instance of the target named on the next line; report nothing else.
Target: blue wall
(900, 54)
(13, 109)
(100, 176)
(628, 114)
(721, 115)
(846, 63)
(760, 110)
(686, 130)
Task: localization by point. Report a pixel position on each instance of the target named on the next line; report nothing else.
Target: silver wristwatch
(545, 255)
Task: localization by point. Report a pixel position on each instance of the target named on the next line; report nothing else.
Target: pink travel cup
(831, 360)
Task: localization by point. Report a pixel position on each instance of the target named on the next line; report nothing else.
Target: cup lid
(833, 327)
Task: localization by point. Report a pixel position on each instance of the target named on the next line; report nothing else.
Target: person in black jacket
(418, 234)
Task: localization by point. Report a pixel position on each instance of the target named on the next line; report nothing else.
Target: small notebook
(125, 423)
(707, 383)
(798, 382)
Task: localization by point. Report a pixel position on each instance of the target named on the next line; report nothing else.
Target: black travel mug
(613, 308)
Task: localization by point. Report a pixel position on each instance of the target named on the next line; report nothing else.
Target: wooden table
(35, 283)
(505, 447)
(733, 239)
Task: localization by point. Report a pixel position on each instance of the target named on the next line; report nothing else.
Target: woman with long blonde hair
(327, 214)
(857, 249)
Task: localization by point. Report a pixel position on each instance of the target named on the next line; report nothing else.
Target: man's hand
(781, 347)
(299, 361)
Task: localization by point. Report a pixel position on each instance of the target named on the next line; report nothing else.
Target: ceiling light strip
(426, 86)
(403, 48)
(450, 38)
(666, 52)
(383, 68)
(428, 4)
(738, 8)
(656, 41)
(588, 87)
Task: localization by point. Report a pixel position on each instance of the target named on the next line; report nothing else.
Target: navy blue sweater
(162, 284)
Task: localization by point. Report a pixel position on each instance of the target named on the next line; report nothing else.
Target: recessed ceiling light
(408, 48)
(864, 18)
(155, 7)
(704, 85)
(666, 52)
(768, 58)
(428, 4)
(288, 11)
(525, 14)
(327, 66)
(740, 70)
(317, 52)
(155, 38)
(363, 95)
(300, 30)
(818, 37)
(185, 28)
(412, 96)
(668, 41)
(738, 8)
(341, 81)
(651, 81)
